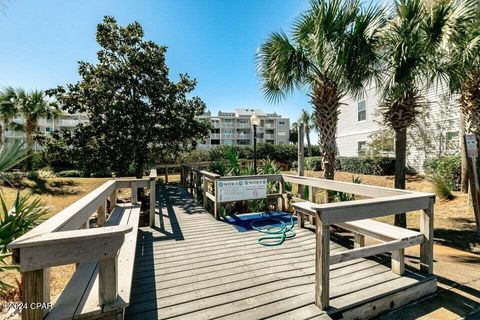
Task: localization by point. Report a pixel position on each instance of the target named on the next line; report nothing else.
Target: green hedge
(313, 163)
(69, 174)
(448, 167)
(380, 166)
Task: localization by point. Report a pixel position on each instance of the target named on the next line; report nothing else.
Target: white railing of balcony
(14, 134)
(215, 136)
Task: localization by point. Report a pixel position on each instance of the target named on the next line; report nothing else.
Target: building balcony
(229, 125)
(214, 135)
(269, 136)
(243, 125)
(228, 136)
(68, 122)
(244, 136)
(269, 125)
(13, 134)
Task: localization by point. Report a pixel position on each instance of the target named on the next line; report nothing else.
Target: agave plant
(25, 213)
(24, 216)
(342, 196)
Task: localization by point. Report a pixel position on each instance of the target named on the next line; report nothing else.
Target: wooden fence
(374, 202)
(66, 238)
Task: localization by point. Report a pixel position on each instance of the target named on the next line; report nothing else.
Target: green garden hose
(275, 232)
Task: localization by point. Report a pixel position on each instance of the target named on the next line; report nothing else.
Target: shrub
(442, 188)
(313, 163)
(449, 168)
(32, 175)
(70, 174)
(380, 166)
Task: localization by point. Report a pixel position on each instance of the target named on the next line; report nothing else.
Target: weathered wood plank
(35, 289)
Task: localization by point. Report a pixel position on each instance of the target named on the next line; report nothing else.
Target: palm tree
(33, 106)
(332, 52)
(307, 120)
(8, 109)
(463, 65)
(413, 40)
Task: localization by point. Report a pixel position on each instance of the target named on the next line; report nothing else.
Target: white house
(436, 132)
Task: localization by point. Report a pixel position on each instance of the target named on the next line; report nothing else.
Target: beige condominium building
(234, 128)
(65, 121)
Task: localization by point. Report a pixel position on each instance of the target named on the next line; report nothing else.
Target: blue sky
(213, 41)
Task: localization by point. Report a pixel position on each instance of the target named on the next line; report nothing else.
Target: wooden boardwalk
(195, 267)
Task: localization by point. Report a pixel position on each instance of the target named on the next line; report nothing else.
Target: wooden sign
(242, 189)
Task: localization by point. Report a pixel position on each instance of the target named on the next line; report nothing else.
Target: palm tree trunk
(309, 145)
(326, 101)
(464, 170)
(400, 164)
(31, 127)
(1, 133)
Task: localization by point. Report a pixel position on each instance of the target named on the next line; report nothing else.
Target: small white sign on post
(242, 189)
(471, 144)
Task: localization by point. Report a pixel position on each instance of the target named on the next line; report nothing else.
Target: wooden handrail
(76, 246)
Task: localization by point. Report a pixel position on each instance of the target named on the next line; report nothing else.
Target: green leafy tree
(293, 135)
(332, 52)
(412, 44)
(136, 113)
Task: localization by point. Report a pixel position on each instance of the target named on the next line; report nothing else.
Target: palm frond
(282, 67)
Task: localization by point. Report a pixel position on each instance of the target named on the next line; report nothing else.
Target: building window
(228, 142)
(244, 142)
(215, 130)
(281, 132)
(362, 146)
(362, 110)
(452, 135)
(215, 141)
(281, 122)
(48, 129)
(281, 142)
(227, 131)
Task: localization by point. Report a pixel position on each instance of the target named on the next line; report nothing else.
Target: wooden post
(197, 181)
(471, 154)
(398, 261)
(101, 215)
(283, 193)
(191, 181)
(311, 194)
(301, 153)
(359, 240)
(113, 200)
(152, 201)
(134, 192)
(205, 190)
(216, 204)
(322, 265)
(35, 289)
(426, 248)
(107, 280)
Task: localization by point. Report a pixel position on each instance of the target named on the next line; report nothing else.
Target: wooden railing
(375, 202)
(66, 238)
